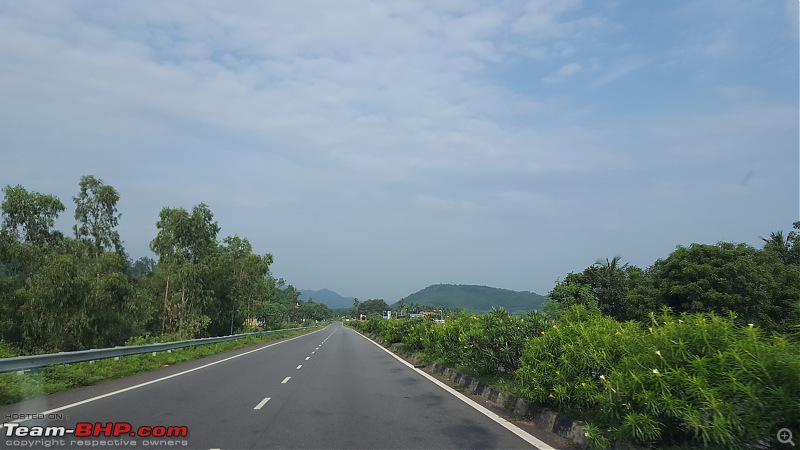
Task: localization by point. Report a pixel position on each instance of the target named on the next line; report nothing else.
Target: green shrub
(697, 380)
(493, 342)
(415, 336)
(444, 342)
(393, 331)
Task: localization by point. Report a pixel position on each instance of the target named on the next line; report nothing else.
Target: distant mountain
(328, 297)
(476, 298)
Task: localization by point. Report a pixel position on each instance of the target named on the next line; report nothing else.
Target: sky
(375, 148)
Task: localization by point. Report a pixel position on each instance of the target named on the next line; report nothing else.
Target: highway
(331, 388)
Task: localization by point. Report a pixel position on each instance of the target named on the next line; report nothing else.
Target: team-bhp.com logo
(97, 429)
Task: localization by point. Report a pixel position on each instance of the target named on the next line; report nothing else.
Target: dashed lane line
(130, 388)
(262, 403)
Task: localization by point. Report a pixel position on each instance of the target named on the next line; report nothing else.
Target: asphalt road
(332, 388)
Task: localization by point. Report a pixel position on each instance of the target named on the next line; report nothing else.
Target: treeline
(378, 307)
(757, 286)
(64, 293)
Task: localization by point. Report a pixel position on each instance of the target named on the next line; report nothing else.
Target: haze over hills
(328, 297)
(476, 298)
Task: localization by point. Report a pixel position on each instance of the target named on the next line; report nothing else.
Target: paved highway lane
(329, 389)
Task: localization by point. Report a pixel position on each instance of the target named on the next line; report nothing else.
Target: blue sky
(375, 148)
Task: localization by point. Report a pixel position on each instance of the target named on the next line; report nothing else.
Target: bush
(393, 331)
(697, 379)
(493, 342)
(415, 336)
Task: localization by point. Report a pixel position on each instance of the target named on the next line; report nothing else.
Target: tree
(722, 278)
(97, 216)
(273, 314)
(184, 237)
(373, 306)
(609, 282)
(787, 249)
(575, 289)
(142, 266)
(401, 306)
(29, 216)
(184, 244)
(241, 282)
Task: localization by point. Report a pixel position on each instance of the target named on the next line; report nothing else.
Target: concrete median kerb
(562, 426)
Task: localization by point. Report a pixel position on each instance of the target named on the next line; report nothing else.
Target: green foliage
(373, 306)
(493, 342)
(758, 286)
(7, 350)
(729, 278)
(58, 293)
(697, 378)
(97, 216)
(574, 290)
(29, 216)
(489, 344)
(393, 331)
(786, 249)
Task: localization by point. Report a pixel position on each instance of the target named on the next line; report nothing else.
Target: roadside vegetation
(67, 293)
(700, 350)
(51, 379)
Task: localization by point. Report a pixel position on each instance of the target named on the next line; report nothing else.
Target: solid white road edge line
(130, 388)
(527, 437)
(262, 403)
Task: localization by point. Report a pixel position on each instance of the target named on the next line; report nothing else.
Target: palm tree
(777, 244)
(609, 284)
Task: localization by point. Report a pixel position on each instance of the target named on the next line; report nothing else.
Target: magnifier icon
(785, 436)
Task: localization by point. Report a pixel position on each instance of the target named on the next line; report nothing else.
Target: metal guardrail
(18, 363)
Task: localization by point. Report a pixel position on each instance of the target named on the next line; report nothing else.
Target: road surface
(331, 388)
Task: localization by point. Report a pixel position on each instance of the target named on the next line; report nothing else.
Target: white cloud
(564, 72)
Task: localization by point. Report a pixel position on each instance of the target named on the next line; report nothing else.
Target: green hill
(328, 297)
(476, 298)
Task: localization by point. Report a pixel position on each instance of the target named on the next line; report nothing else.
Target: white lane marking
(262, 403)
(313, 352)
(298, 367)
(307, 358)
(286, 380)
(527, 437)
(130, 388)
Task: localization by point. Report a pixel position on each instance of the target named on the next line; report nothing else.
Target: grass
(51, 379)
